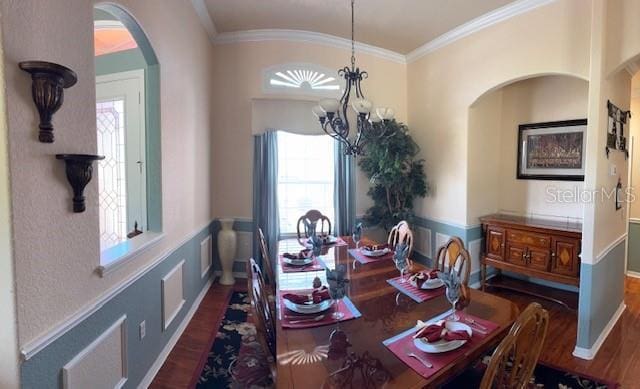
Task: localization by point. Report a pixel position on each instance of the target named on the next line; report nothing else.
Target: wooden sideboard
(537, 248)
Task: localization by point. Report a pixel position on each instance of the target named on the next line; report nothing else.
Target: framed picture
(552, 150)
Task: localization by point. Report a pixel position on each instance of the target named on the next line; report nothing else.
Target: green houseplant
(396, 174)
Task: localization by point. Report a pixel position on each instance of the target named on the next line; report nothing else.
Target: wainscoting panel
(206, 255)
(141, 300)
(474, 248)
(423, 241)
(172, 294)
(245, 246)
(441, 240)
(102, 364)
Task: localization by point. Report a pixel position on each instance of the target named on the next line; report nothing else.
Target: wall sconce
(48, 81)
(79, 171)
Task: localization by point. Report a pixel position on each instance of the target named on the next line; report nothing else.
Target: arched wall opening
(492, 148)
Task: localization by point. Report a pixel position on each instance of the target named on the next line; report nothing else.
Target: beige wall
(238, 79)
(444, 84)
(56, 252)
(634, 128)
(8, 329)
(493, 141)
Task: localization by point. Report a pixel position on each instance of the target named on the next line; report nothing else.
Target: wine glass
(357, 234)
(337, 288)
(453, 295)
(400, 259)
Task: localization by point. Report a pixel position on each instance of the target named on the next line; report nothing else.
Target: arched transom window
(303, 79)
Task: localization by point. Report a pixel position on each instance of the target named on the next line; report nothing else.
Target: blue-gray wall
(601, 293)
(140, 301)
(633, 263)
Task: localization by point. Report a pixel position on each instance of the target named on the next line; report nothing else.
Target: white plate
(375, 253)
(432, 284)
(442, 345)
(325, 241)
(308, 308)
(297, 262)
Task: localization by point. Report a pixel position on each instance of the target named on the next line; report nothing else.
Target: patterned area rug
(235, 346)
(544, 376)
(237, 337)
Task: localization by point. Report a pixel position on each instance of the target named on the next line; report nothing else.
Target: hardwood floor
(185, 360)
(618, 359)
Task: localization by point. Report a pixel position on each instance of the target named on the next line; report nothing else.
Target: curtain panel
(265, 193)
(344, 191)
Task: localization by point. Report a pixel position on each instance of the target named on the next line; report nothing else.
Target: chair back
(515, 358)
(314, 216)
(401, 233)
(455, 257)
(265, 319)
(266, 261)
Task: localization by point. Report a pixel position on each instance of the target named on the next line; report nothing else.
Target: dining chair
(255, 364)
(262, 309)
(401, 233)
(454, 256)
(515, 358)
(266, 261)
(313, 216)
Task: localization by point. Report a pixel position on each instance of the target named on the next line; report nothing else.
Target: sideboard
(538, 248)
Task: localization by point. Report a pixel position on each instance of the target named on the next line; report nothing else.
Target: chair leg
(483, 274)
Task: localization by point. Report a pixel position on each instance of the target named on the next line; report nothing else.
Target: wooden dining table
(304, 359)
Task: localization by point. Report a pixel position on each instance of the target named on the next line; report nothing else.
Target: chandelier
(371, 123)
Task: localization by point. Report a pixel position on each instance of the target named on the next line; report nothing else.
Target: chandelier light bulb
(374, 117)
(362, 106)
(319, 112)
(385, 113)
(329, 105)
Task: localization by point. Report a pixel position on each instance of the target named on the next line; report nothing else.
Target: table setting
(319, 306)
(302, 261)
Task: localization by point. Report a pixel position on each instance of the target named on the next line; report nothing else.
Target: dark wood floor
(618, 359)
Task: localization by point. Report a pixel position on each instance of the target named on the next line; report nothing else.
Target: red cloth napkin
(301, 255)
(318, 296)
(296, 298)
(376, 247)
(432, 333)
(456, 335)
(321, 294)
(421, 277)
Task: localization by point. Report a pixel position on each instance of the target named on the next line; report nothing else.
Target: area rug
(544, 376)
(235, 344)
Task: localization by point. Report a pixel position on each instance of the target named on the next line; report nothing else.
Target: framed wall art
(552, 150)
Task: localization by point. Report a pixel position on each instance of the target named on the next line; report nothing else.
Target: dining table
(351, 353)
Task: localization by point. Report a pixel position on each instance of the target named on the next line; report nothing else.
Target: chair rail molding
(29, 349)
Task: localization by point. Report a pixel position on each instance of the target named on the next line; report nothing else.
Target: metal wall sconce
(48, 81)
(79, 171)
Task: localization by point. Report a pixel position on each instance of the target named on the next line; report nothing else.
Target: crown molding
(307, 37)
(475, 25)
(205, 18)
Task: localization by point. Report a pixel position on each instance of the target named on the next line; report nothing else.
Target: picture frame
(552, 150)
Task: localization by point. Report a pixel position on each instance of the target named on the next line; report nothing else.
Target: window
(306, 79)
(305, 177)
(128, 135)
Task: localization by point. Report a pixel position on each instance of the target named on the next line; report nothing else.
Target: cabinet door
(564, 257)
(539, 259)
(516, 254)
(495, 242)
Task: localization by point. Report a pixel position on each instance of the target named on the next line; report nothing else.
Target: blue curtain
(265, 192)
(344, 191)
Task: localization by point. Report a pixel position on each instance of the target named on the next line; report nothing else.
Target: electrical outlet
(143, 329)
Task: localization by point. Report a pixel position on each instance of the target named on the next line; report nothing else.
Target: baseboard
(153, 370)
(478, 284)
(590, 353)
(634, 274)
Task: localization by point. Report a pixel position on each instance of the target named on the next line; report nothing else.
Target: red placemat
(418, 295)
(317, 265)
(402, 344)
(357, 254)
(345, 306)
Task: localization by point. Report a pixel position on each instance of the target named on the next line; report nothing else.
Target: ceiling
(398, 25)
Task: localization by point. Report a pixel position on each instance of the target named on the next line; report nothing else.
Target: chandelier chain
(353, 37)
